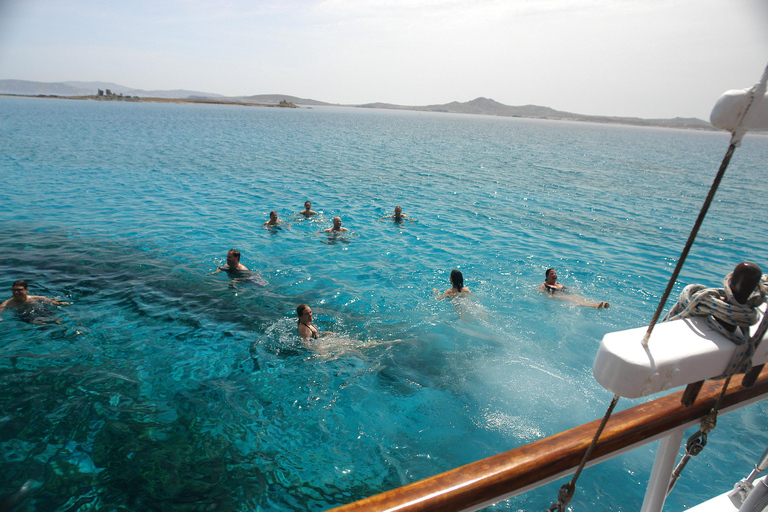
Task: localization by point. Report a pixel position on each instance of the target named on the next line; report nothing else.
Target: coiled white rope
(758, 91)
(698, 300)
(719, 304)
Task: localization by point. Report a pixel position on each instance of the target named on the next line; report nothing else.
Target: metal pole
(663, 465)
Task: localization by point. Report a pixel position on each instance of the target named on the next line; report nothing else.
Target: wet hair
(307, 203)
(273, 211)
(300, 310)
(21, 283)
(457, 279)
(235, 253)
(546, 274)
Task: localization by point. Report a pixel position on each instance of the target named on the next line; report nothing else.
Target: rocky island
(478, 106)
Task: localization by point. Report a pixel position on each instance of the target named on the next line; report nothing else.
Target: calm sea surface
(167, 388)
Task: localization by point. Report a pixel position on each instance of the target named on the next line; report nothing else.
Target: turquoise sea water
(167, 388)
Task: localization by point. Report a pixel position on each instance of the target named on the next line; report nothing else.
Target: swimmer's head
(307, 205)
(303, 310)
(398, 211)
(337, 222)
(457, 279)
(273, 215)
(233, 258)
(550, 273)
(19, 289)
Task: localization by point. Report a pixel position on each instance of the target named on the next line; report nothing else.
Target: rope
(698, 300)
(565, 494)
(696, 443)
(741, 361)
(758, 91)
(689, 242)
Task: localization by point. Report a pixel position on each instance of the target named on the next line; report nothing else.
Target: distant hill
(25, 87)
(489, 107)
(481, 106)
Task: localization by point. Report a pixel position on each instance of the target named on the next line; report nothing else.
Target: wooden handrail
(498, 477)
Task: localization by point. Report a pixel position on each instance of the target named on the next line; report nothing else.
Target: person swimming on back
(306, 329)
(307, 211)
(555, 290)
(26, 304)
(550, 284)
(457, 286)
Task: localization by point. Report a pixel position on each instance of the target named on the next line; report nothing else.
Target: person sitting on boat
(306, 329)
(555, 290)
(273, 221)
(26, 305)
(233, 263)
(336, 226)
(307, 211)
(457, 286)
(397, 216)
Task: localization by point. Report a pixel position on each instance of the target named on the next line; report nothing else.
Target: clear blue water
(167, 388)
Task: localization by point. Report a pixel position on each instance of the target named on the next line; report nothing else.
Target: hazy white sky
(645, 58)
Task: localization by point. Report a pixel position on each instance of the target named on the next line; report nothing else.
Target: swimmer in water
(328, 344)
(239, 272)
(307, 211)
(306, 329)
(457, 287)
(397, 216)
(555, 290)
(24, 304)
(274, 221)
(336, 227)
(233, 263)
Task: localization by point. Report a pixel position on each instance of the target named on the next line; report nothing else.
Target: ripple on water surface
(167, 385)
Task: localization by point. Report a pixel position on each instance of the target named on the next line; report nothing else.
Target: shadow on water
(114, 405)
(132, 278)
(168, 389)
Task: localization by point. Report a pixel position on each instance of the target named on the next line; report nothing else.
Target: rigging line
(689, 242)
(565, 494)
(698, 440)
(758, 91)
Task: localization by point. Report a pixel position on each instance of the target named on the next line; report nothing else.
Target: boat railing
(488, 481)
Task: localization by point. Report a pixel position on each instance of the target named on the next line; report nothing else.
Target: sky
(639, 58)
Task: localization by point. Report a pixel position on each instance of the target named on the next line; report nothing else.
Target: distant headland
(104, 91)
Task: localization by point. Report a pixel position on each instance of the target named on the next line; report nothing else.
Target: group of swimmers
(274, 221)
(24, 303)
